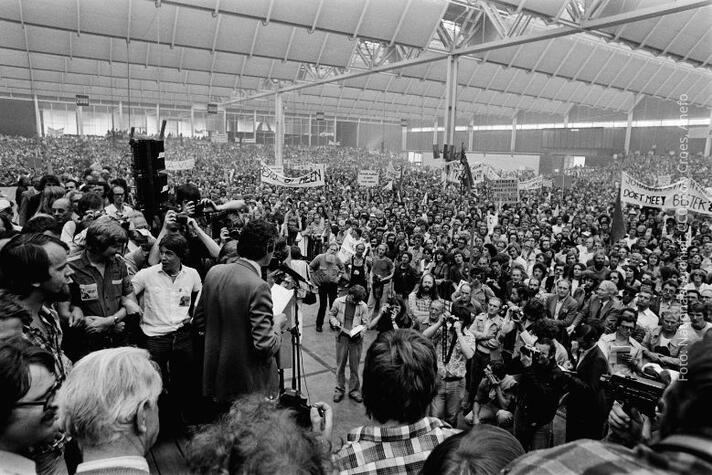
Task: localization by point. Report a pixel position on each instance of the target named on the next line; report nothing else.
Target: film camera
(294, 400)
(642, 394)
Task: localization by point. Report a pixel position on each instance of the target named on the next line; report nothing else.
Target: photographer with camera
(541, 387)
(393, 316)
(494, 398)
(682, 446)
(454, 347)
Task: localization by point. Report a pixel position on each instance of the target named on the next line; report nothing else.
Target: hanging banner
(174, 165)
(534, 184)
(505, 190)
(316, 177)
(367, 178)
(686, 193)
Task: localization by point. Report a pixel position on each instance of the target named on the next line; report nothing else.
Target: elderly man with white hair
(109, 405)
(600, 305)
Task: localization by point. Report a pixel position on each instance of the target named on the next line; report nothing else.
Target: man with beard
(598, 267)
(34, 268)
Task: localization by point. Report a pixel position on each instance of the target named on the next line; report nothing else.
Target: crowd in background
(500, 313)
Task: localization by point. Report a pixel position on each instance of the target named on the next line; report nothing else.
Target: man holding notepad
(349, 317)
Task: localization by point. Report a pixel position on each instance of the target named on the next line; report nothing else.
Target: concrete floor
(319, 373)
(319, 379)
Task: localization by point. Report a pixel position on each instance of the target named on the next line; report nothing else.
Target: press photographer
(454, 346)
(683, 444)
(541, 386)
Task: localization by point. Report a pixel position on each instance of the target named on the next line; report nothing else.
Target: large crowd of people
(491, 318)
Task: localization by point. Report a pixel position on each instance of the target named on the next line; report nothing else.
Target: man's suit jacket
(567, 313)
(240, 341)
(595, 309)
(587, 406)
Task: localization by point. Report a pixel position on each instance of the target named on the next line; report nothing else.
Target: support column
(435, 135)
(334, 129)
(628, 130)
(513, 141)
(310, 130)
(708, 139)
(38, 120)
(80, 120)
(404, 137)
(192, 121)
(121, 116)
(358, 130)
(450, 107)
(471, 135)
(158, 119)
(278, 131)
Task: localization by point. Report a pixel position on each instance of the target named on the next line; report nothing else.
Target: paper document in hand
(280, 298)
(354, 331)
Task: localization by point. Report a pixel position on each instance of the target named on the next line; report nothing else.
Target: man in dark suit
(586, 405)
(561, 307)
(235, 310)
(600, 305)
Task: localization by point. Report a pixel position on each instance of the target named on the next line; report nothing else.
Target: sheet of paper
(280, 298)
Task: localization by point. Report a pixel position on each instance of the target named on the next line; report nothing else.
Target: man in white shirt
(169, 292)
(118, 208)
(647, 319)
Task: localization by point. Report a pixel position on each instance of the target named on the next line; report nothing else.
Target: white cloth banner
(686, 193)
(180, 164)
(316, 177)
(367, 178)
(533, 184)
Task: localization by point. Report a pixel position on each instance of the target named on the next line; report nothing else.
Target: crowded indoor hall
(355, 237)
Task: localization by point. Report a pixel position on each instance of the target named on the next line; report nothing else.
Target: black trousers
(327, 292)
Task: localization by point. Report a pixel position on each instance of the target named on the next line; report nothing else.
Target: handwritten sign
(316, 177)
(367, 178)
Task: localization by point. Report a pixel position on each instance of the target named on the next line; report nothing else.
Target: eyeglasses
(46, 401)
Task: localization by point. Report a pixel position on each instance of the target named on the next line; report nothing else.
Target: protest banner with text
(686, 193)
(316, 177)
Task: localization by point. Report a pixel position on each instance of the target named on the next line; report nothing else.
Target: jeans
(327, 290)
(173, 353)
(446, 403)
(532, 436)
(477, 365)
(348, 350)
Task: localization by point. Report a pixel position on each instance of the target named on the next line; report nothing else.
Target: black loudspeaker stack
(149, 172)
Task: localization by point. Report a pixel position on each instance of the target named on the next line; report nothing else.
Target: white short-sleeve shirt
(166, 302)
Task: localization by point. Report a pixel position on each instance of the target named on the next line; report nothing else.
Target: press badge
(184, 301)
(88, 292)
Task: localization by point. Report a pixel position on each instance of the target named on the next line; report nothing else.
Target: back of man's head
(687, 401)
(256, 437)
(104, 394)
(257, 239)
(485, 449)
(399, 377)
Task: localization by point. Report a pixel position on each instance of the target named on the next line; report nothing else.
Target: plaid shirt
(50, 340)
(590, 456)
(391, 450)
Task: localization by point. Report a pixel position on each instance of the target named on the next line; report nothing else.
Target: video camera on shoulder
(639, 393)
